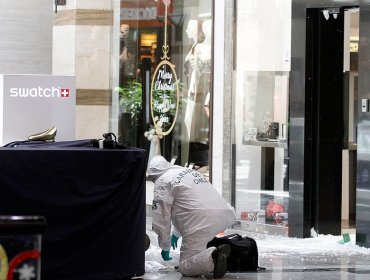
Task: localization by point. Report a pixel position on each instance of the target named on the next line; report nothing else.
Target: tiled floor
(353, 263)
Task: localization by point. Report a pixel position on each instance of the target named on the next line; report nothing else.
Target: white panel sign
(147, 13)
(32, 104)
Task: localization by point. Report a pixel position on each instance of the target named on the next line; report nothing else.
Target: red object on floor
(272, 208)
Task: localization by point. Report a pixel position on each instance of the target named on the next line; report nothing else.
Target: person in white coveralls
(197, 212)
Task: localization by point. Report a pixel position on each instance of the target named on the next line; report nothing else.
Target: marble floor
(284, 258)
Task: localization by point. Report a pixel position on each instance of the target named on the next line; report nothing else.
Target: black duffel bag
(244, 252)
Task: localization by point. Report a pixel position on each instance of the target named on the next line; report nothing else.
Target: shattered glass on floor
(321, 257)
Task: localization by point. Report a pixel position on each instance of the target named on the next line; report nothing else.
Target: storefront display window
(261, 111)
(171, 97)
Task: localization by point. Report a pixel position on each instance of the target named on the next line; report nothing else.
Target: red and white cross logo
(64, 92)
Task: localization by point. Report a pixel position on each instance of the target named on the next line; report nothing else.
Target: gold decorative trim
(84, 17)
(164, 81)
(94, 97)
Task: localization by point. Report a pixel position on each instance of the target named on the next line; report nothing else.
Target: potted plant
(130, 101)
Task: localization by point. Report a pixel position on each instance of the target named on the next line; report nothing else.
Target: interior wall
(82, 46)
(26, 36)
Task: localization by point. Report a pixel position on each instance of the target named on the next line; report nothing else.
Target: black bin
(20, 247)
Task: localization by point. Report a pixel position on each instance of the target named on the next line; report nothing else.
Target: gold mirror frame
(165, 62)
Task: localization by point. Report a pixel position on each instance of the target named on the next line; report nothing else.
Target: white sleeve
(162, 204)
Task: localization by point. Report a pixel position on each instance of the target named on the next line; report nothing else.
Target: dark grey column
(299, 220)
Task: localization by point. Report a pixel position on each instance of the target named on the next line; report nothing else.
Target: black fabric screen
(94, 203)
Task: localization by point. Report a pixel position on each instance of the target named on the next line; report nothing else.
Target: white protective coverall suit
(197, 211)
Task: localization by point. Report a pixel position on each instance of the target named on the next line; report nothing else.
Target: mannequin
(203, 50)
(124, 31)
(126, 58)
(200, 59)
(202, 63)
(204, 54)
(195, 33)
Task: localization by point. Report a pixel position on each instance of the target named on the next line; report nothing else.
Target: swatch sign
(31, 104)
(39, 92)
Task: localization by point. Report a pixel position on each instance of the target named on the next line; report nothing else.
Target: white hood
(157, 167)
